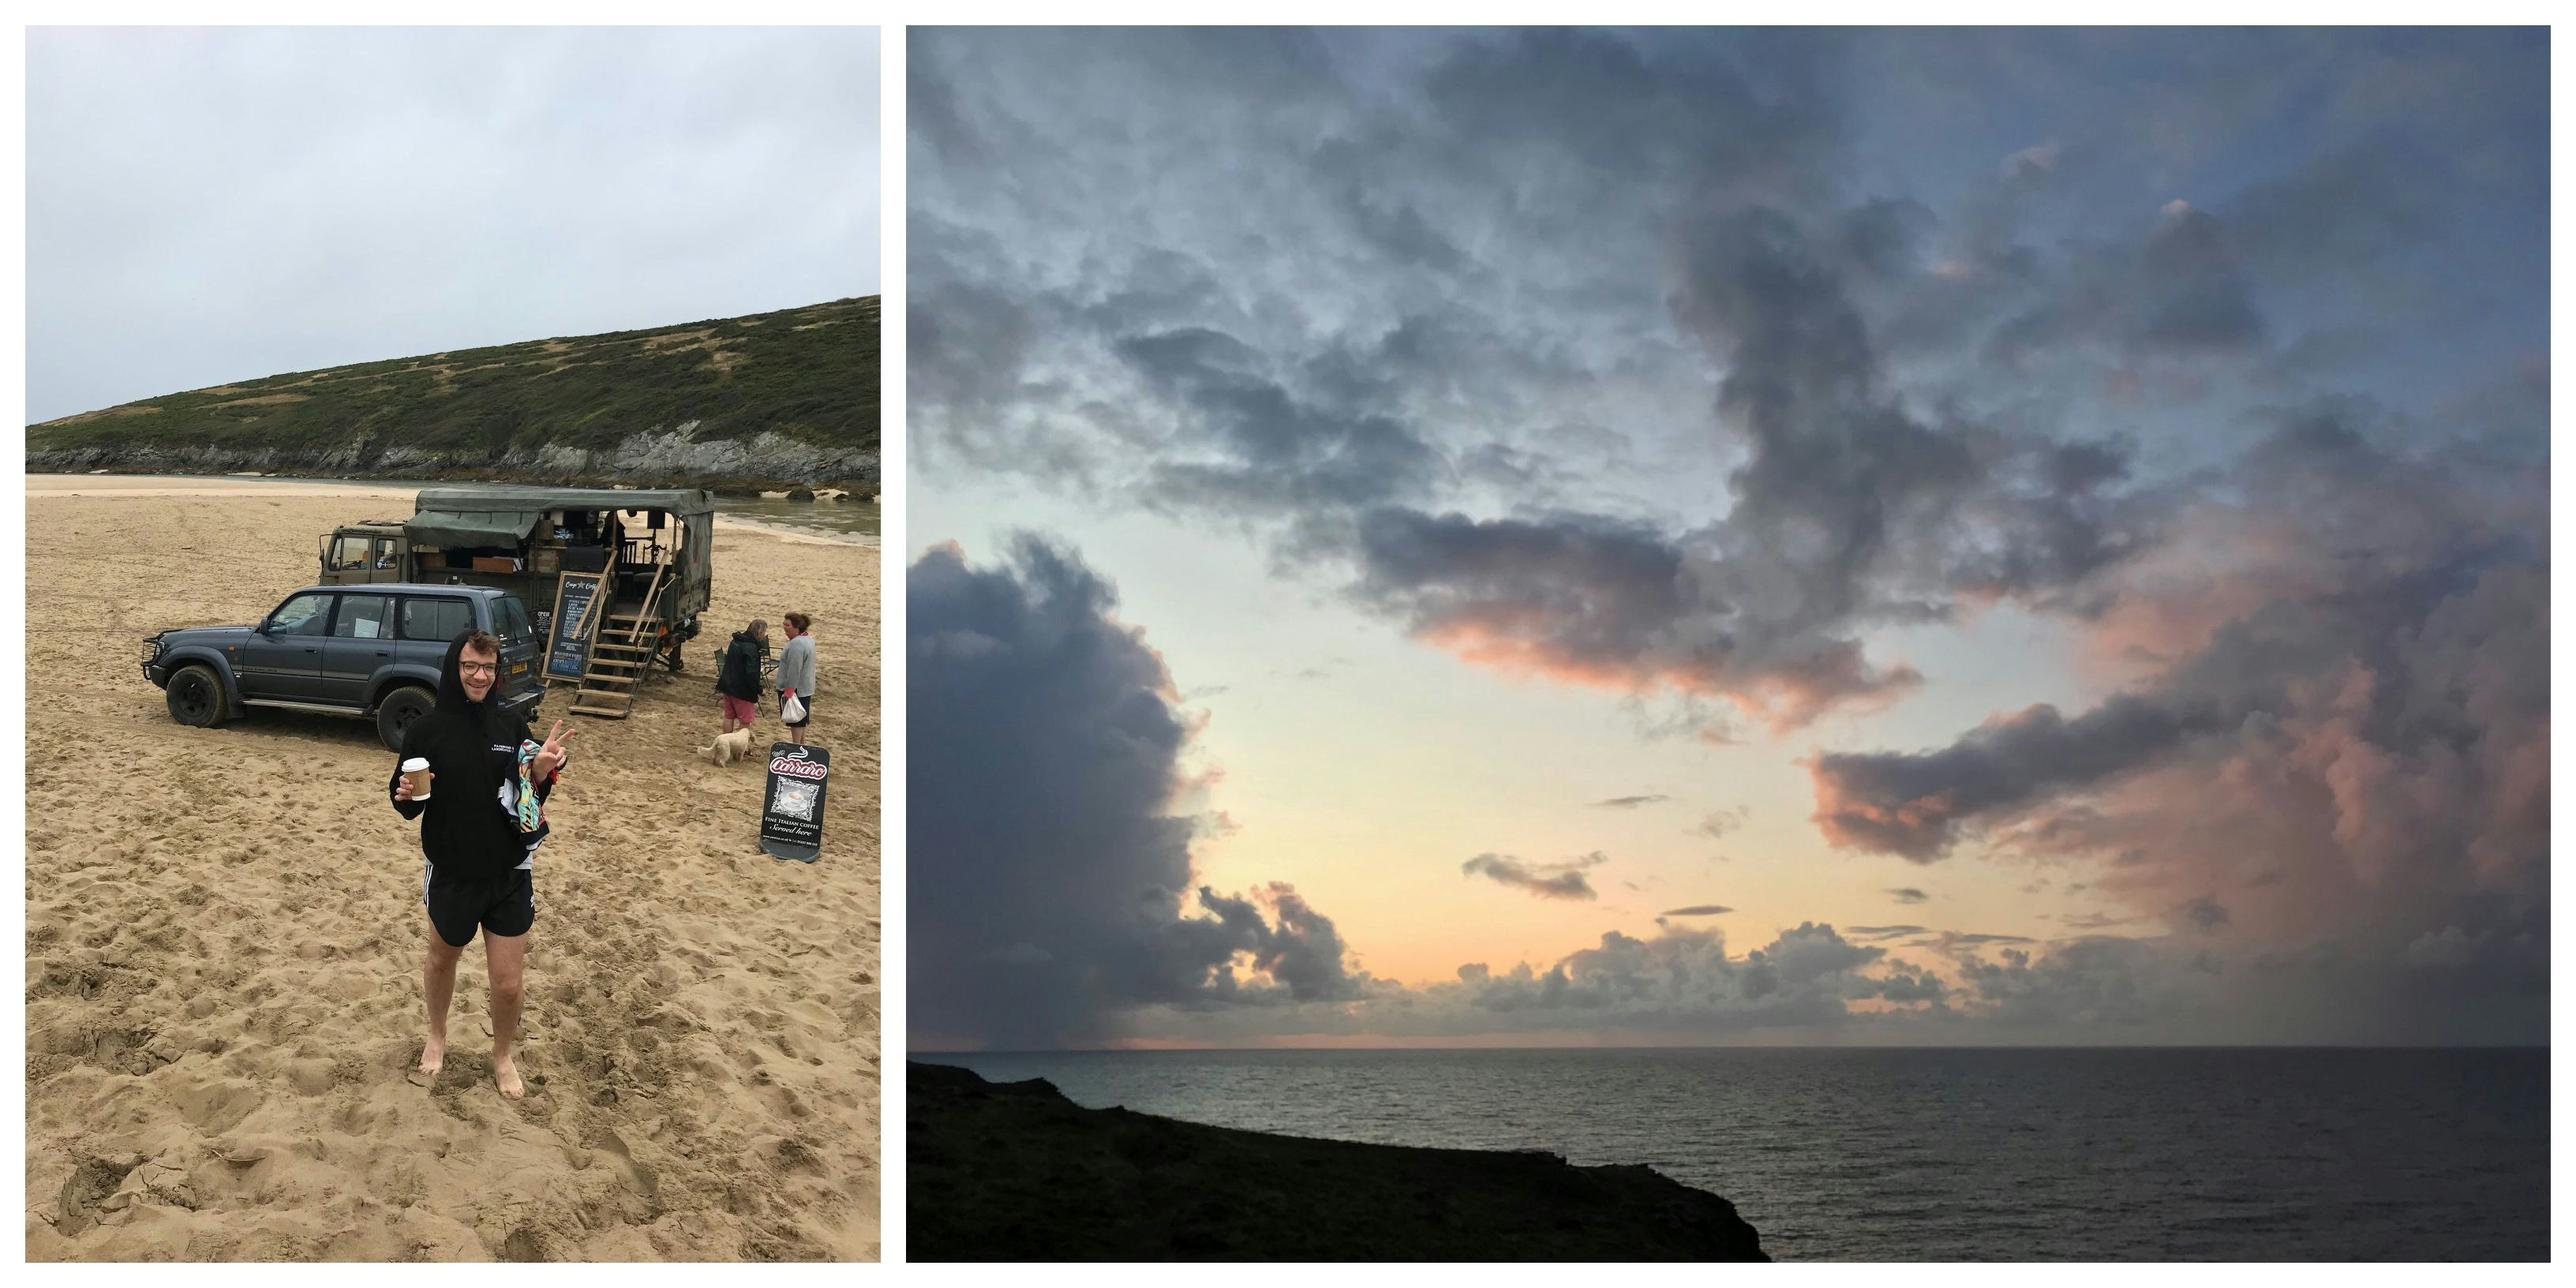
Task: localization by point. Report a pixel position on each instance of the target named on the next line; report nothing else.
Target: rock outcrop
(654, 458)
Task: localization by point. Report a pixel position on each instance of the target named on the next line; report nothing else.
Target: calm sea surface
(2238, 1154)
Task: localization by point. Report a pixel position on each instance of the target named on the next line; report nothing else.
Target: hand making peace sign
(550, 757)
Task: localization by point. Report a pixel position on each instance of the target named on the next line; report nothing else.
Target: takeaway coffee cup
(415, 771)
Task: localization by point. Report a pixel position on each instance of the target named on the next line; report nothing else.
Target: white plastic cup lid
(415, 763)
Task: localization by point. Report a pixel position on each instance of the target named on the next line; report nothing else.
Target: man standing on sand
(796, 674)
(739, 678)
(479, 835)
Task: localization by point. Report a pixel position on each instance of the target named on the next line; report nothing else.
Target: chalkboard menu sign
(576, 624)
(791, 823)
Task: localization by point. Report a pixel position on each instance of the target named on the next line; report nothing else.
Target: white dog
(728, 747)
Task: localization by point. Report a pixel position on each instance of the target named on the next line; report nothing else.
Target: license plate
(518, 668)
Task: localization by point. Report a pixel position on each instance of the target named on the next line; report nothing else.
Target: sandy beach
(224, 939)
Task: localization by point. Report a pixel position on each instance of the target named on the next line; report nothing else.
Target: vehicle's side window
(349, 552)
(362, 617)
(302, 615)
(384, 552)
(435, 619)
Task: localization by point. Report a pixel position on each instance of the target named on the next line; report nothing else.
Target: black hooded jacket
(473, 748)
(740, 675)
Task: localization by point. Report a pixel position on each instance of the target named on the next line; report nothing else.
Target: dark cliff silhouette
(1016, 1172)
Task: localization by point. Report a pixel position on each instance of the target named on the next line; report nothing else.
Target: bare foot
(506, 1072)
(433, 1053)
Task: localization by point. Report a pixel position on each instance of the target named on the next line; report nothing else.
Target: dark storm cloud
(1699, 910)
(1052, 877)
(1272, 450)
(1546, 880)
(1910, 804)
(1296, 947)
(2341, 723)
(1850, 510)
(1870, 509)
(362, 193)
(1693, 368)
(2409, 568)
(2180, 290)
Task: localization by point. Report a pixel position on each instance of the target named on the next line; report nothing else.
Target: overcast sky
(1975, 536)
(215, 205)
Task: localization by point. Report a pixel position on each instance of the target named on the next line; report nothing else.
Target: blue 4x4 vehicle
(345, 650)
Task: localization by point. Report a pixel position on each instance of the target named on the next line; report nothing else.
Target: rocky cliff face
(654, 458)
(1015, 1172)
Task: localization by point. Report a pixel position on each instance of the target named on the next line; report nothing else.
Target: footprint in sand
(638, 1177)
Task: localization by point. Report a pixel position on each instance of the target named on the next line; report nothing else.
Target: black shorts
(809, 712)
(505, 905)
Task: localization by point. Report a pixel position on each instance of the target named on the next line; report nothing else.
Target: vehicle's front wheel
(398, 710)
(196, 697)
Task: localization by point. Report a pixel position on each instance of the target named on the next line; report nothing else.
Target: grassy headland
(774, 399)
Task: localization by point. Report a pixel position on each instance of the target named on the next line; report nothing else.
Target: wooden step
(615, 661)
(595, 678)
(613, 713)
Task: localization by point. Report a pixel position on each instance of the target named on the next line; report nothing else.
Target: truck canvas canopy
(463, 517)
(471, 527)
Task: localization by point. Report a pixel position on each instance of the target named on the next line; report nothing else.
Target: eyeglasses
(479, 668)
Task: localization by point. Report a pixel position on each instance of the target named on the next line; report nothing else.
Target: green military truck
(617, 577)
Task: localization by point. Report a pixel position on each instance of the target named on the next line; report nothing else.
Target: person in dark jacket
(738, 680)
(479, 832)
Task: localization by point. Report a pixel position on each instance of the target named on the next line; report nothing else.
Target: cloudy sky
(1712, 537)
(210, 205)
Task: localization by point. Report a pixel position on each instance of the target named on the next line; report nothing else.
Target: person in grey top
(796, 673)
